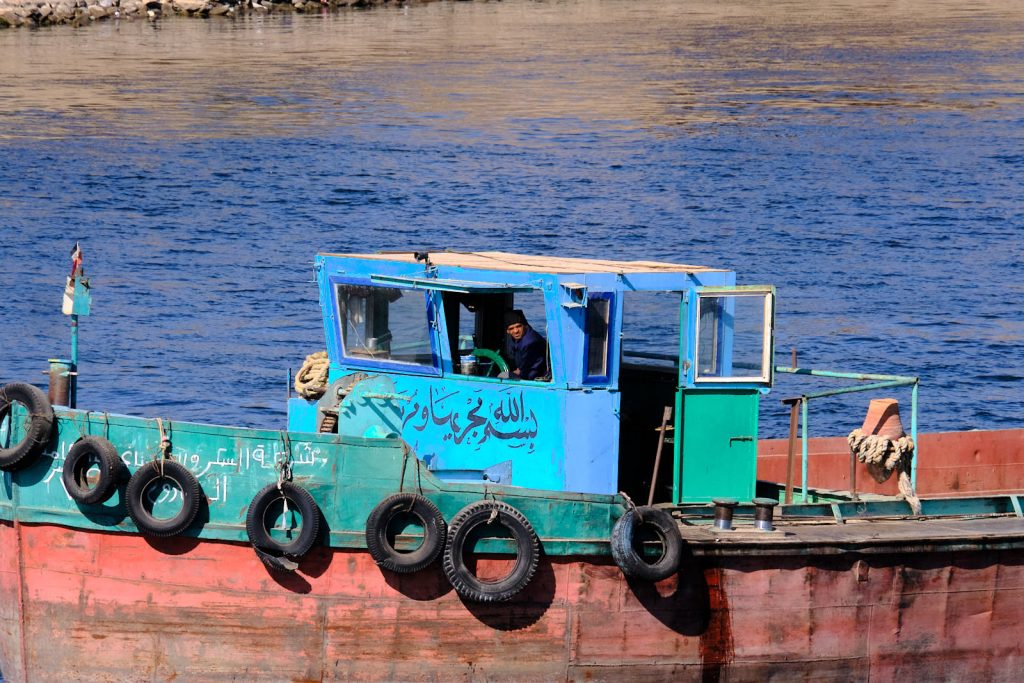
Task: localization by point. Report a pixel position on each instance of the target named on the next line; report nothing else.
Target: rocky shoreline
(15, 13)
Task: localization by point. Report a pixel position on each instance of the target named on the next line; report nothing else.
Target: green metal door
(719, 445)
(725, 353)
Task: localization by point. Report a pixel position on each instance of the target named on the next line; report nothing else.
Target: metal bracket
(1015, 501)
(837, 513)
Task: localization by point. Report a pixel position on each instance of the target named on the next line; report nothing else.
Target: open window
(475, 322)
(385, 324)
(476, 327)
(648, 379)
(734, 335)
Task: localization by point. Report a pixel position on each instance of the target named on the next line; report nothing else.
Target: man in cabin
(525, 349)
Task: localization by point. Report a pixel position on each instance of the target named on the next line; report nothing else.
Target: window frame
(606, 378)
(767, 334)
(434, 369)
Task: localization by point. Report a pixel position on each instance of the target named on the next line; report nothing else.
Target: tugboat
(482, 480)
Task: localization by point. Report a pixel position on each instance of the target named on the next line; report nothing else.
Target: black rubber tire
(40, 424)
(301, 500)
(89, 451)
(467, 584)
(139, 484)
(629, 558)
(380, 546)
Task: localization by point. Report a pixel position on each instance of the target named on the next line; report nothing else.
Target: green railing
(800, 402)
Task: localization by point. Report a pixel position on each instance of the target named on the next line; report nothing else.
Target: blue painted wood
(301, 415)
(560, 435)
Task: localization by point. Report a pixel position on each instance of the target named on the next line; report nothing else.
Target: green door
(719, 445)
(725, 365)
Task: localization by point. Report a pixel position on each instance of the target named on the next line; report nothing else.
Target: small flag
(68, 307)
(76, 260)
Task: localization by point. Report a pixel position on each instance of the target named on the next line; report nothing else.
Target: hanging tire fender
(379, 539)
(263, 510)
(482, 513)
(86, 454)
(630, 557)
(38, 428)
(139, 500)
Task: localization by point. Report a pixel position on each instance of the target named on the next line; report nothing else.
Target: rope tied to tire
(382, 537)
(38, 428)
(311, 379)
(161, 471)
(283, 465)
(627, 543)
(631, 506)
(93, 470)
(462, 536)
(165, 445)
(407, 454)
(888, 455)
(259, 522)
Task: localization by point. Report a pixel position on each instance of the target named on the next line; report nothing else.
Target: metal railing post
(794, 417)
(913, 435)
(803, 448)
(876, 382)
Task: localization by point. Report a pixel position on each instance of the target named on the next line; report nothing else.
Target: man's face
(516, 331)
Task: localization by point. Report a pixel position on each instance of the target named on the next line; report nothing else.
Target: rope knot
(284, 462)
(886, 456)
(631, 506)
(311, 380)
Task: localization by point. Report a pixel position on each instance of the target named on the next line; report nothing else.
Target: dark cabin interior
(646, 391)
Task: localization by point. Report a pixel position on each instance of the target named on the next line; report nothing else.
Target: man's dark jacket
(529, 355)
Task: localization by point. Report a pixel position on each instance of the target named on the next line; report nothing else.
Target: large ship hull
(99, 606)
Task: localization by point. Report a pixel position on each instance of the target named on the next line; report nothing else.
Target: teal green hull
(347, 477)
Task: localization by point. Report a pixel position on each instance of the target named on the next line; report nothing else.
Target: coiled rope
(889, 454)
(311, 380)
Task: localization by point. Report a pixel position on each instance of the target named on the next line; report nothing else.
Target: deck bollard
(723, 512)
(764, 508)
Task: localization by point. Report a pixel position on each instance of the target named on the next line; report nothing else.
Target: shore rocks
(14, 13)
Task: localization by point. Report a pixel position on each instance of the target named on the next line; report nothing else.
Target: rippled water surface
(865, 157)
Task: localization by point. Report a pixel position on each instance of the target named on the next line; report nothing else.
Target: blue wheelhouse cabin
(417, 343)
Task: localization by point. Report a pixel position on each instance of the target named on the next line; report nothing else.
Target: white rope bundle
(890, 454)
(311, 380)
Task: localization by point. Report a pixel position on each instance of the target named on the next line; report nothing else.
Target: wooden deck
(887, 535)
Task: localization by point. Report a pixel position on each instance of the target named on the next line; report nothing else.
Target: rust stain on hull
(716, 641)
(111, 607)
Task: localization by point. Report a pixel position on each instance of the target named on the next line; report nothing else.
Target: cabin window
(650, 329)
(734, 337)
(477, 322)
(385, 324)
(598, 344)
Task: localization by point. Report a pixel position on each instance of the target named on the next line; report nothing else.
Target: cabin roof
(500, 260)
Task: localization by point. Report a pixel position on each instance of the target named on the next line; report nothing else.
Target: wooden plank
(498, 260)
(857, 535)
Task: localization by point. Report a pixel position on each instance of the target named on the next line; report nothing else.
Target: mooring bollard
(723, 512)
(59, 391)
(764, 509)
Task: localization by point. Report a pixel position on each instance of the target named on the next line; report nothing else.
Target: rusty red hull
(950, 464)
(115, 607)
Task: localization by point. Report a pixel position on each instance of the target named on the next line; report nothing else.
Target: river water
(865, 157)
